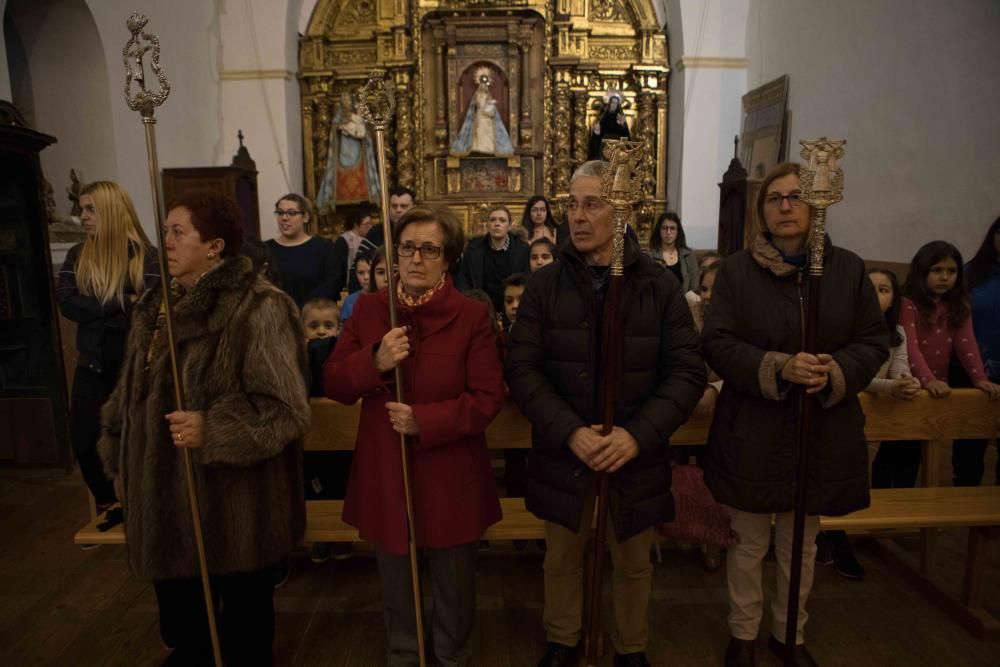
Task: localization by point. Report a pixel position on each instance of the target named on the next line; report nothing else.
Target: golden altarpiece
(497, 99)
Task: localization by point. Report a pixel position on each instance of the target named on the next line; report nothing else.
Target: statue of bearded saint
(483, 130)
(611, 125)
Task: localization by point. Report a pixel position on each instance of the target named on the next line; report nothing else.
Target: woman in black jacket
(98, 283)
(753, 338)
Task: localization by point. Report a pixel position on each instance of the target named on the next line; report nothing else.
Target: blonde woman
(99, 281)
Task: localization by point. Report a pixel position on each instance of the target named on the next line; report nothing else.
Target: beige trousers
(631, 582)
(743, 572)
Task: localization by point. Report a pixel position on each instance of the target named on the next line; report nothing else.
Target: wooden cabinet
(33, 397)
(238, 181)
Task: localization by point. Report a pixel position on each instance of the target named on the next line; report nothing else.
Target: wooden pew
(965, 414)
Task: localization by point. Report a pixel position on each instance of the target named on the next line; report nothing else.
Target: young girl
(100, 280)
(936, 318)
(940, 338)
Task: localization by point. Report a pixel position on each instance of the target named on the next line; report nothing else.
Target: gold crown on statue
(484, 73)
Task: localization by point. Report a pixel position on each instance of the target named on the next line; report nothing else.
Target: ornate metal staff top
(822, 183)
(621, 186)
(377, 101)
(144, 101)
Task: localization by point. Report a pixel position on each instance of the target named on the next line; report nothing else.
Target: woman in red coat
(454, 389)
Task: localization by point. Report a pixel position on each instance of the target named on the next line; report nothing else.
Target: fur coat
(242, 362)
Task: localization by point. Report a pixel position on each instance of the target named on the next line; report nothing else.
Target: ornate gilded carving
(554, 59)
(352, 56)
(357, 12)
(561, 139)
(647, 135)
(609, 11)
(626, 52)
(404, 131)
(581, 131)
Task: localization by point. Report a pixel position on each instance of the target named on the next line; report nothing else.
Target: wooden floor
(60, 605)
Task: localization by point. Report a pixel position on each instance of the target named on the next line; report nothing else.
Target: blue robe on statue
(465, 143)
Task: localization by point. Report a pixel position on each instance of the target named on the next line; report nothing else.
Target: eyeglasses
(287, 213)
(539, 209)
(773, 200)
(427, 250)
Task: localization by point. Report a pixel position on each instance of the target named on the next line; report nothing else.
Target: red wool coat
(454, 381)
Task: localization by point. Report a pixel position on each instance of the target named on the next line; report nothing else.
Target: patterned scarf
(414, 302)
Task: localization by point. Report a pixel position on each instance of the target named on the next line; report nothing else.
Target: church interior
(495, 102)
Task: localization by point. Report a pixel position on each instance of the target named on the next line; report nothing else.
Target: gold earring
(211, 255)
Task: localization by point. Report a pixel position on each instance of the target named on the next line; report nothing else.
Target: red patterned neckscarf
(414, 302)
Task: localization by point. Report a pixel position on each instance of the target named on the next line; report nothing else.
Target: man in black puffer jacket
(555, 370)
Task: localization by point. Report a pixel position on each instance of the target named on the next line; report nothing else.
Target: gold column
(647, 135)
(581, 131)
(405, 164)
(563, 163)
(441, 84)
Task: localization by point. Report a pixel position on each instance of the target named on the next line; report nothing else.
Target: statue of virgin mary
(483, 130)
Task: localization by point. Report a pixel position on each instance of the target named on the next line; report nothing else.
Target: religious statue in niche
(610, 125)
(351, 174)
(483, 130)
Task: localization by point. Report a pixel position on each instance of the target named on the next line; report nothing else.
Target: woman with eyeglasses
(668, 246)
(537, 220)
(453, 390)
(753, 338)
(307, 264)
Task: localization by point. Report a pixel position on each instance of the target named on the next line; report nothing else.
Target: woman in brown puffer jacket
(753, 339)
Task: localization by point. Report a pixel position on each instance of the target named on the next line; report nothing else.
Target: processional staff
(822, 183)
(377, 104)
(145, 102)
(621, 186)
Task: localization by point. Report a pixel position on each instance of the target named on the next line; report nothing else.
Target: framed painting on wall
(764, 137)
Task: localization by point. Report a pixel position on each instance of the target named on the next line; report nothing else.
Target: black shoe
(484, 546)
(739, 653)
(342, 550)
(631, 660)
(321, 552)
(800, 654)
(846, 563)
(559, 655)
(824, 550)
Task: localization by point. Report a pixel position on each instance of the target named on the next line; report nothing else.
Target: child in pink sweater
(937, 321)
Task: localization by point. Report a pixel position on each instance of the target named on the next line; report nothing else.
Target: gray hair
(588, 168)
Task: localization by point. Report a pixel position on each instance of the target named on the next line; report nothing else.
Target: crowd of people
(517, 312)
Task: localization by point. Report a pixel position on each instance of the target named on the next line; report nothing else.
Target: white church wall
(707, 51)
(260, 95)
(57, 38)
(912, 87)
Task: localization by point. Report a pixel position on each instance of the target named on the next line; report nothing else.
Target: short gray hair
(588, 168)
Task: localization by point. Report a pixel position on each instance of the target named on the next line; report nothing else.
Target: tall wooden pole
(620, 187)
(822, 183)
(145, 102)
(377, 104)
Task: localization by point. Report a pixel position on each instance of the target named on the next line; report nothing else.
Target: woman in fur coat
(241, 360)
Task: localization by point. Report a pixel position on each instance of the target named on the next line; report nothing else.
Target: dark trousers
(244, 609)
(896, 464)
(90, 391)
(453, 587)
(967, 456)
